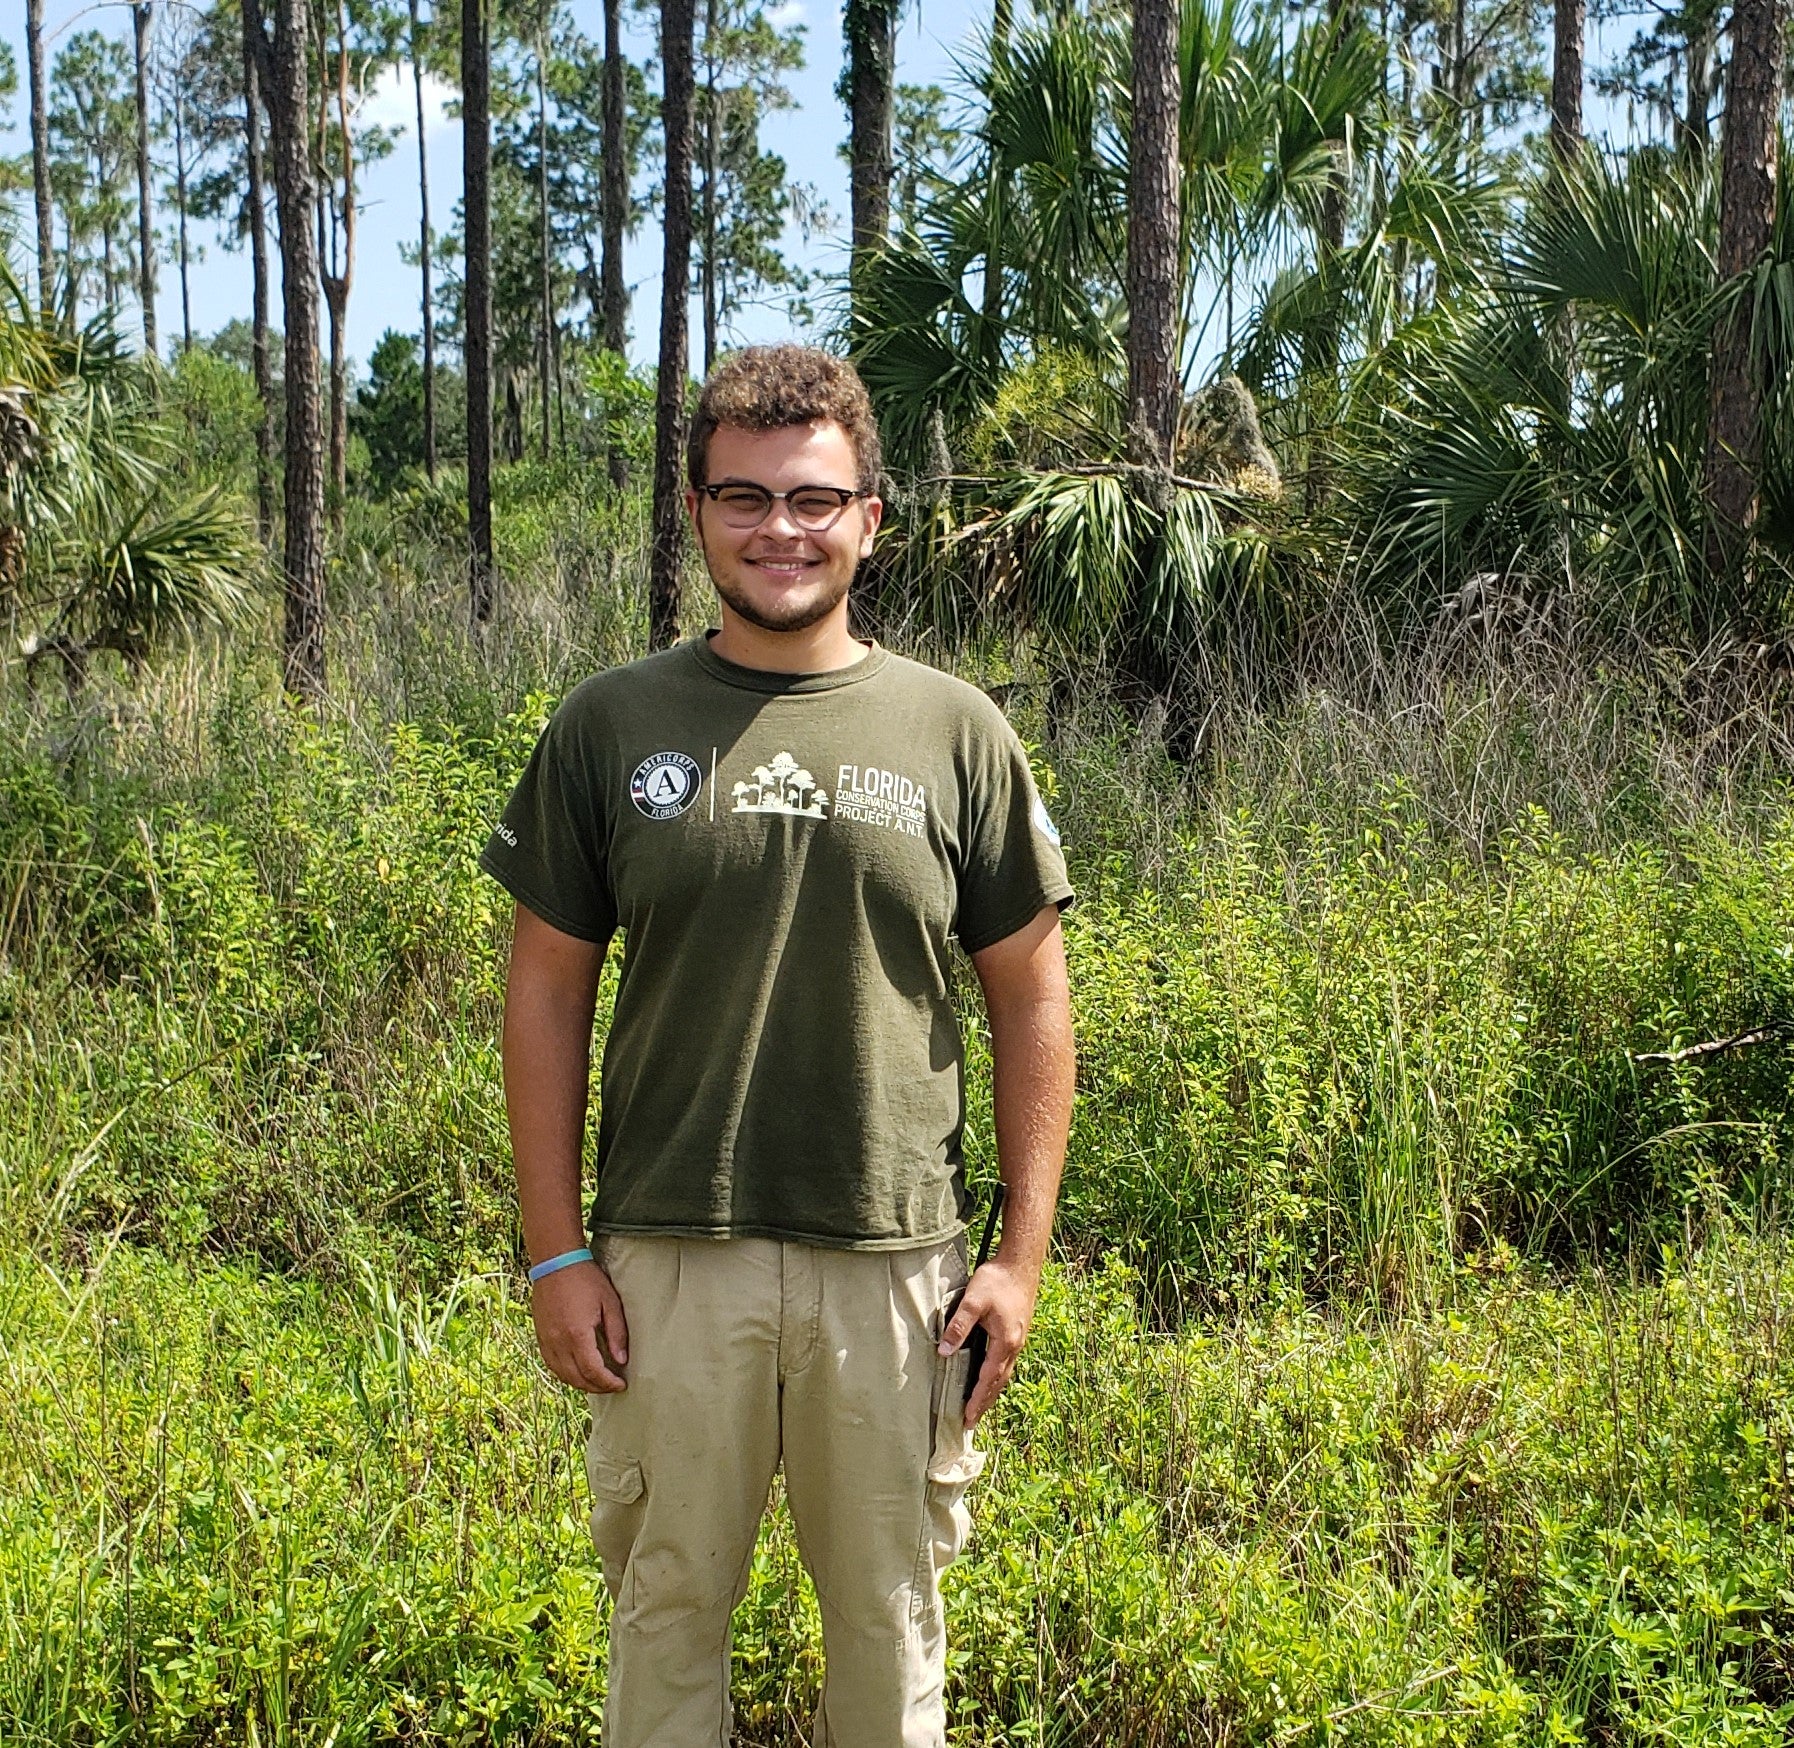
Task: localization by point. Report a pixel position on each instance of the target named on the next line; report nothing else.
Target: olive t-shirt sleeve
(1012, 867)
(547, 850)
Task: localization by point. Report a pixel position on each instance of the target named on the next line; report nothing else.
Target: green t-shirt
(786, 855)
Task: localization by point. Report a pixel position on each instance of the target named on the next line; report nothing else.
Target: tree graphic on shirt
(781, 787)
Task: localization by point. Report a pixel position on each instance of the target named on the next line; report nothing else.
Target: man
(787, 824)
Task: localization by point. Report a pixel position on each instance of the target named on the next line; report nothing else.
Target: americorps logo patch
(665, 784)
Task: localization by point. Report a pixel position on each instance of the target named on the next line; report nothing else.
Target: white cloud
(391, 102)
(785, 14)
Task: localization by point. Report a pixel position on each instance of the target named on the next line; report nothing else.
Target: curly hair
(766, 388)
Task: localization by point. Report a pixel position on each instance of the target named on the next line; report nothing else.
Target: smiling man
(789, 826)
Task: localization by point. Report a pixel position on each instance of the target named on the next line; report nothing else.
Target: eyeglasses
(812, 507)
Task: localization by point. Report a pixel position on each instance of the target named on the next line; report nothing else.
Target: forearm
(1033, 1069)
(547, 1065)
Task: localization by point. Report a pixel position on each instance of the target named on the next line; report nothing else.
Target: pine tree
(667, 551)
(476, 152)
(142, 20)
(42, 200)
(283, 69)
(423, 199)
(1746, 219)
(870, 28)
(1152, 230)
(614, 295)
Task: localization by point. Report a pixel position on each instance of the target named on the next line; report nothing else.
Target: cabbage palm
(1262, 127)
(1441, 207)
(100, 547)
(1473, 450)
(1159, 565)
(922, 340)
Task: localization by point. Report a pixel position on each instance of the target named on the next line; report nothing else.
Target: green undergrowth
(1415, 1368)
(250, 985)
(236, 1508)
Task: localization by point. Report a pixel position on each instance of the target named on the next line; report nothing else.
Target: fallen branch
(1712, 1047)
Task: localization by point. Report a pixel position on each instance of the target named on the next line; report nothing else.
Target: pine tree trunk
(423, 200)
(1746, 215)
(547, 346)
(255, 217)
(142, 17)
(336, 305)
(616, 207)
(871, 32)
(1571, 25)
(1002, 19)
(707, 174)
(338, 285)
(180, 199)
(284, 76)
(1695, 137)
(1152, 230)
(669, 389)
(476, 151)
(40, 159)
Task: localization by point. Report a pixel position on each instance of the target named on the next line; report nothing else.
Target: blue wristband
(566, 1259)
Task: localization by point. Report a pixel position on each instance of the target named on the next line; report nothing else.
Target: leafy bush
(211, 399)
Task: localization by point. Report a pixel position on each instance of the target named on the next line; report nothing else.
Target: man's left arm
(1029, 1003)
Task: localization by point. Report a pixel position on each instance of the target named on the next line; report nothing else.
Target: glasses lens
(817, 506)
(743, 506)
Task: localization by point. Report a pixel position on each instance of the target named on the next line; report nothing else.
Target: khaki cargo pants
(743, 1353)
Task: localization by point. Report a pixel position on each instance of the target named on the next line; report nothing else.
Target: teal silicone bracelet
(566, 1259)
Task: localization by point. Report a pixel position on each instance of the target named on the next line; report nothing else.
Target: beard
(796, 615)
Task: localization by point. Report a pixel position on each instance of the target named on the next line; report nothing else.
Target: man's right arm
(550, 994)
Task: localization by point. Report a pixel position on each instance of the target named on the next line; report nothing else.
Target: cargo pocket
(953, 1465)
(616, 1518)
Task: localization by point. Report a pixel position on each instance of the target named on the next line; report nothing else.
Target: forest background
(1372, 497)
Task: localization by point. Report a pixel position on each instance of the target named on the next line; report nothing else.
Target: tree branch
(1712, 1047)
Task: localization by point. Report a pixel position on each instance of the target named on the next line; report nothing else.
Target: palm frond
(165, 574)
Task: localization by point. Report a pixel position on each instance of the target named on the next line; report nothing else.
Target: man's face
(781, 575)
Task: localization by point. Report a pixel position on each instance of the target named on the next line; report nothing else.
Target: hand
(572, 1308)
(1001, 1297)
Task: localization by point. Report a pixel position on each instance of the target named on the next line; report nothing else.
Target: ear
(691, 510)
(872, 513)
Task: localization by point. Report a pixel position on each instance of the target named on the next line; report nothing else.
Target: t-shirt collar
(765, 680)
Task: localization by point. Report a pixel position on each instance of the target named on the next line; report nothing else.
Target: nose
(779, 521)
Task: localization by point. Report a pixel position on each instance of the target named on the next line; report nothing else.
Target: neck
(816, 649)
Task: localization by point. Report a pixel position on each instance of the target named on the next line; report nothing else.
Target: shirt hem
(784, 1234)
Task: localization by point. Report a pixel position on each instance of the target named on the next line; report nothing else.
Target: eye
(744, 498)
(817, 502)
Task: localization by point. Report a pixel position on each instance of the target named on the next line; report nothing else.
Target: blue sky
(385, 295)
